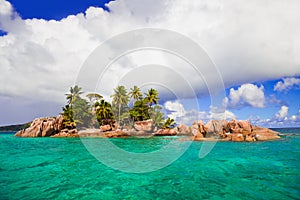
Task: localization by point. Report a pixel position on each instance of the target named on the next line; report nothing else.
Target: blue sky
(44, 43)
(54, 9)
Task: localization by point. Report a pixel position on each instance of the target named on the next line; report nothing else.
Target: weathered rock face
(263, 134)
(238, 137)
(166, 132)
(91, 133)
(100, 133)
(250, 138)
(215, 128)
(66, 133)
(198, 129)
(104, 128)
(245, 126)
(146, 125)
(43, 127)
(115, 134)
(233, 127)
(236, 131)
(109, 127)
(184, 130)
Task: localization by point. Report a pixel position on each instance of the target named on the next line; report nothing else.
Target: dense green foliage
(104, 112)
(67, 114)
(77, 112)
(82, 113)
(140, 110)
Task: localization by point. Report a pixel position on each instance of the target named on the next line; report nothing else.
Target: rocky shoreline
(220, 130)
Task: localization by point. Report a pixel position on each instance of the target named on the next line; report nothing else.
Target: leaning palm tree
(169, 123)
(135, 93)
(120, 98)
(75, 92)
(152, 96)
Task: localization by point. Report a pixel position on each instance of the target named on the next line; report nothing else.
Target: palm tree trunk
(119, 113)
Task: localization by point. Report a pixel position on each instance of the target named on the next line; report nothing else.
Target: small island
(133, 114)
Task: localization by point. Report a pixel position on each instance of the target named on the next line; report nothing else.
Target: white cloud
(183, 116)
(287, 84)
(177, 110)
(5, 8)
(279, 119)
(248, 94)
(282, 113)
(223, 115)
(293, 118)
(249, 41)
(38, 54)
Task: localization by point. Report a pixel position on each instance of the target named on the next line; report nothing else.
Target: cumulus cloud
(287, 84)
(280, 119)
(6, 8)
(177, 112)
(248, 94)
(175, 108)
(249, 41)
(282, 113)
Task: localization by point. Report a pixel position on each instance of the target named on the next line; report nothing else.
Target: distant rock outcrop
(46, 127)
(236, 131)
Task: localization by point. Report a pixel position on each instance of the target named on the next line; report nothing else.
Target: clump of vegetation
(104, 112)
(77, 112)
(169, 123)
(126, 108)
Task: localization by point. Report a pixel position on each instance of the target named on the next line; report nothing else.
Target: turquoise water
(62, 168)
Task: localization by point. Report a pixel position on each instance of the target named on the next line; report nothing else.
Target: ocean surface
(63, 168)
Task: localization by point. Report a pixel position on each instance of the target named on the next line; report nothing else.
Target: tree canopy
(80, 113)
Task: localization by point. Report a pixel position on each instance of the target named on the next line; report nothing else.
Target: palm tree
(169, 123)
(140, 110)
(68, 117)
(104, 112)
(93, 97)
(75, 92)
(152, 96)
(120, 98)
(135, 93)
(157, 116)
